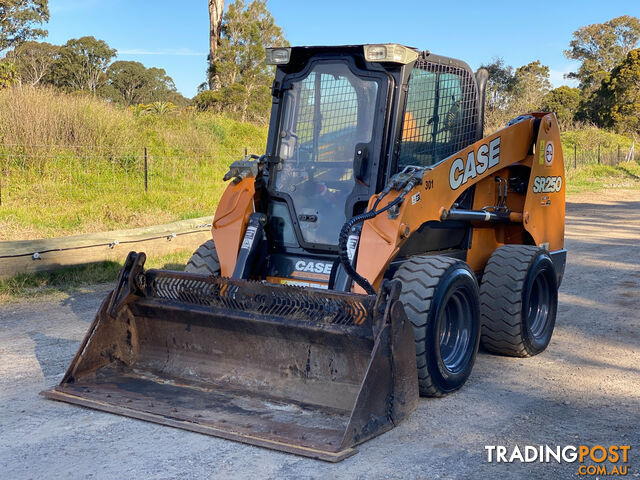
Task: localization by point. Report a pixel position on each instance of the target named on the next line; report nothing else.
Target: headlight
(278, 56)
(390, 52)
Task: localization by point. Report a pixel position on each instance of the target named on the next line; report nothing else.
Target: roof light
(278, 56)
(390, 52)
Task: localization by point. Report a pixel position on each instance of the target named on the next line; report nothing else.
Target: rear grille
(282, 301)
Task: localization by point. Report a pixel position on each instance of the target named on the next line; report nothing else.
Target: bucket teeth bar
(303, 371)
(259, 298)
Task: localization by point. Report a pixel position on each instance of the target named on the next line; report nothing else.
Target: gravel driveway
(584, 390)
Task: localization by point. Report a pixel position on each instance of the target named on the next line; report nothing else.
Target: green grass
(68, 280)
(45, 205)
(590, 178)
(75, 164)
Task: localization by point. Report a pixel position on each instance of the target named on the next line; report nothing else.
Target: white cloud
(557, 76)
(179, 52)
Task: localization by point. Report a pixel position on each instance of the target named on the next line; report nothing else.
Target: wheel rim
(539, 307)
(455, 331)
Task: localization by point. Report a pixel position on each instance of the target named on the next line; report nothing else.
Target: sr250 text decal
(547, 184)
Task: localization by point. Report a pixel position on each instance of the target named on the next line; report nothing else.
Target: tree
(133, 83)
(82, 64)
(8, 74)
(600, 47)
(531, 85)
(216, 8)
(618, 98)
(499, 94)
(500, 84)
(564, 101)
(34, 61)
(19, 20)
(240, 59)
(511, 93)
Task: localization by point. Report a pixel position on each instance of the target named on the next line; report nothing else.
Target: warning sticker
(248, 237)
(548, 154)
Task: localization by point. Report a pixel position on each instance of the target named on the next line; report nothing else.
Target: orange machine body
(537, 215)
(230, 222)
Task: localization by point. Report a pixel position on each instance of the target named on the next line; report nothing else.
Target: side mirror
(361, 162)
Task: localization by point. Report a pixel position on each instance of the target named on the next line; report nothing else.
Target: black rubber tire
(517, 280)
(204, 260)
(428, 285)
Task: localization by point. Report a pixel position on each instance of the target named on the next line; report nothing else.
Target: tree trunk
(216, 8)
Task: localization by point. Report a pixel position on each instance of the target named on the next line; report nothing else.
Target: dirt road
(584, 390)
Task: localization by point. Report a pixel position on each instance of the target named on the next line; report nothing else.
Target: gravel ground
(584, 390)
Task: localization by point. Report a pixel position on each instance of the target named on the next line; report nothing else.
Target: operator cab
(343, 120)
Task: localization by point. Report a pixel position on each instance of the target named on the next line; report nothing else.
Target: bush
(206, 100)
(589, 138)
(8, 74)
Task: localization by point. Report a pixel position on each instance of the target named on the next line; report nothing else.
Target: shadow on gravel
(53, 354)
(614, 208)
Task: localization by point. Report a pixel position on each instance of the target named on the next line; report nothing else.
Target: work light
(278, 56)
(390, 52)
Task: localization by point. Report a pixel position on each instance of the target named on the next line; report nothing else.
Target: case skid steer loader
(356, 264)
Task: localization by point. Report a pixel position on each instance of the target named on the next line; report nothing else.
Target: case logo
(485, 158)
(315, 267)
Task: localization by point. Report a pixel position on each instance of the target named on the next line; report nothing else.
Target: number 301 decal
(547, 184)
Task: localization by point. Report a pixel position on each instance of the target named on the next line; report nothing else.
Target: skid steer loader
(356, 264)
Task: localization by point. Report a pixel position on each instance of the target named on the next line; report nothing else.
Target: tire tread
(204, 260)
(501, 299)
(419, 276)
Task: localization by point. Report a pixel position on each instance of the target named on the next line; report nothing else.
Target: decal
(415, 198)
(547, 184)
(298, 283)
(428, 184)
(314, 267)
(352, 244)
(548, 154)
(541, 150)
(545, 201)
(477, 163)
(248, 237)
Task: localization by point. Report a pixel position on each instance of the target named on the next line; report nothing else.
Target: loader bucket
(304, 371)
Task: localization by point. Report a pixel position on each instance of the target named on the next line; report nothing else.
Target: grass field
(591, 178)
(67, 280)
(75, 164)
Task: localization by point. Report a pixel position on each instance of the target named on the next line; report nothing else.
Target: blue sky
(174, 35)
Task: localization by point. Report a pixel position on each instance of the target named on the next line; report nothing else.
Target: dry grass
(74, 164)
(38, 119)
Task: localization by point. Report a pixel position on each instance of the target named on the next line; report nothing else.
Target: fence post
(618, 154)
(146, 171)
(575, 157)
(598, 154)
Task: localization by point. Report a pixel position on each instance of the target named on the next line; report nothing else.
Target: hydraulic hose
(344, 236)
(405, 186)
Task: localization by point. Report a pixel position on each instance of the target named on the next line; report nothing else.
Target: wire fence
(47, 175)
(576, 155)
(42, 176)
